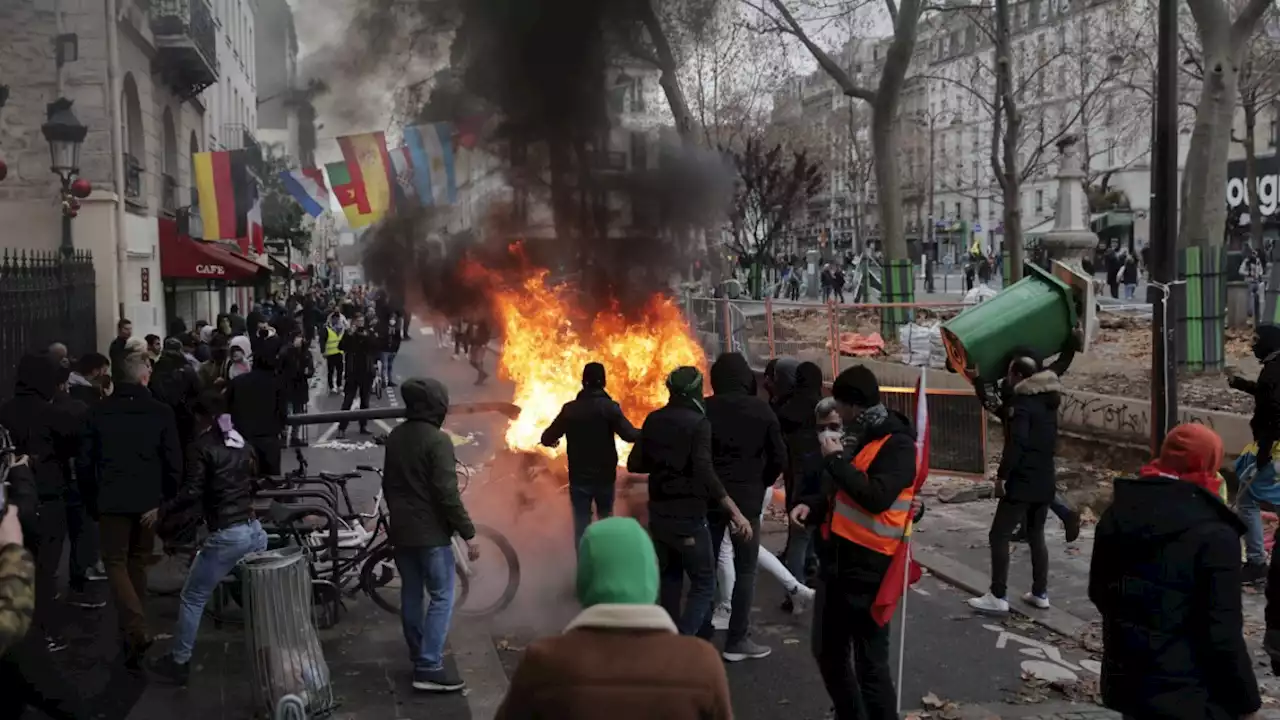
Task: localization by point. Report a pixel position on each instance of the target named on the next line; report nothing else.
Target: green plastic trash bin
(1037, 312)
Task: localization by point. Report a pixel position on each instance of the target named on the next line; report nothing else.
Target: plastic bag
(922, 345)
(978, 294)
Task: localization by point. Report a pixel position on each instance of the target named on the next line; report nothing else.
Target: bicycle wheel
(494, 579)
(380, 580)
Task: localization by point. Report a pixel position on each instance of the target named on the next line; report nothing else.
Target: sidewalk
(951, 542)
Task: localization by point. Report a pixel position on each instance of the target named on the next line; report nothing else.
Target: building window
(1039, 202)
(975, 209)
(957, 215)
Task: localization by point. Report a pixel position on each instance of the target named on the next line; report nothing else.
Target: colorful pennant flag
(369, 166)
(904, 572)
(431, 150)
(308, 187)
(225, 193)
(402, 162)
(350, 195)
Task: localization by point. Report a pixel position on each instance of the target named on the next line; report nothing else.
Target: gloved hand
(1235, 382)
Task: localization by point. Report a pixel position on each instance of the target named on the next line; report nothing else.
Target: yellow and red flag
(225, 192)
(371, 176)
(903, 571)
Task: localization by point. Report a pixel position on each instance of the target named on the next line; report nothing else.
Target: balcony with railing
(187, 43)
(238, 136)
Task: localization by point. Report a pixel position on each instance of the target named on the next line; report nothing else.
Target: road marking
(328, 433)
(382, 424)
(426, 331)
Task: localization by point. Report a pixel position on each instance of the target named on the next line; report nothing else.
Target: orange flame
(547, 339)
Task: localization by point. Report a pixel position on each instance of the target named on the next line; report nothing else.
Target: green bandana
(686, 383)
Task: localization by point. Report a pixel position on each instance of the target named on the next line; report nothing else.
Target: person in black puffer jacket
(176, 383)
(799, 431)
(256, 402)
(1029, 478)
(748, 455)
(589, 422)
(217, 485)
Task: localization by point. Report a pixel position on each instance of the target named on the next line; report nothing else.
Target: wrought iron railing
(193, 18)
(44, 299)
(132, 177)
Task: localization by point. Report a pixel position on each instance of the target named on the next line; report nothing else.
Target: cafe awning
(184, 258)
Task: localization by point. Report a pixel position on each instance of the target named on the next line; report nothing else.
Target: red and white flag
(903, 571)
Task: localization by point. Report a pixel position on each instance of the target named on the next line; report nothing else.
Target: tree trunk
(1006, 167)
(884, 133)
(670, 80)
(1203, 217)
(1251, 176)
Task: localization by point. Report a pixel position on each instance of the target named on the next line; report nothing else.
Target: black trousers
(30, 678)
(356, 387)
(51, 527)
(853, 652)
(333, 364)
(746, 555)
(1009, 515)
(82, 531)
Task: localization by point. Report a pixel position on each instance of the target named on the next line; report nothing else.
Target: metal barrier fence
(823, 334)
(44, 298)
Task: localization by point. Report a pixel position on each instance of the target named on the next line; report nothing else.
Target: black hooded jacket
(256, 399)
(421, 481)
(1166, 577)
(1027, 466)
(130, 457)
(746, 440)
(589, 423)
(1265, 422)
(44, 431)
(891, 472)
(799, 427)
(674, 450)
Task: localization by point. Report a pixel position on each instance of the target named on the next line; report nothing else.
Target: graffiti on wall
(1129, 417)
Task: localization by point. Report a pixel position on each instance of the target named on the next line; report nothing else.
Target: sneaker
(95, 573)
(171, 671)
(55, 643)
(744, 650)
(1253, 572)
(391, 383)
(135, 654)
(1040, 601)
(720, 618)
(342, 434)
(801, 599)
(81, 599)
(990, 605)
(437, 681)
(1072, 526)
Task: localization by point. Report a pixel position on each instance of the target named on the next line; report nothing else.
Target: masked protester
(1265, 424)
(239, 358)
(621, 658)
(674, 450)
(796, 420)
(257, 403)
(590, 422)
(1166, 577)
(861, 512)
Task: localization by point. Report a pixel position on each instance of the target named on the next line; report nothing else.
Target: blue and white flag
(431, 150)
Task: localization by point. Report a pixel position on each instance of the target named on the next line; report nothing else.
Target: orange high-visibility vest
(882, 532)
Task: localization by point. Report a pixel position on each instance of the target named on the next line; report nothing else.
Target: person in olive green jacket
(17, 582)
(421, 490)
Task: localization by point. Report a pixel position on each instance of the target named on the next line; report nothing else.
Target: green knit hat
(686, 382)
(617, 564)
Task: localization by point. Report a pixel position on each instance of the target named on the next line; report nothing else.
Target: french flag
(307, 186)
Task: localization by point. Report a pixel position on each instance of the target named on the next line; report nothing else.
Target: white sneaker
(801, 599)
(1034, 600)
(720, 618)
(990, 604)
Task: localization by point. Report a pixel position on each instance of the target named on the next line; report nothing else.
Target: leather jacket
(218, 479)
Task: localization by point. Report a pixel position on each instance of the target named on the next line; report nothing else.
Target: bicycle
(378, 387)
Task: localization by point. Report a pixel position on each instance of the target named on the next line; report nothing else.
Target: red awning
(182, 258)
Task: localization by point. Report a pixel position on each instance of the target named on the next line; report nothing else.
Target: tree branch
(828, 64)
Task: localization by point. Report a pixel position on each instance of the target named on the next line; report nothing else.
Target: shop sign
(145, 284)
(1268, 187)
(211, 270)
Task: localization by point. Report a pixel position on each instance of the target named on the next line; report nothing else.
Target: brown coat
(619, 662)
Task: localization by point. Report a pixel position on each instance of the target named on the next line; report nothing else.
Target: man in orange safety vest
(863, 504)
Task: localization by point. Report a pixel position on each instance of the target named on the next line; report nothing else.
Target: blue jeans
(800, 549)
(684, 548)
(1255, 549)
(425, 629)
(217, 557)
(582, 497)
(388, 363)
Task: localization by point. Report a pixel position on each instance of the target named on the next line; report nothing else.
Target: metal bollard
(285, 657)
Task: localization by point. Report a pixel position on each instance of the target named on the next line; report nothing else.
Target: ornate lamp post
(65, 134)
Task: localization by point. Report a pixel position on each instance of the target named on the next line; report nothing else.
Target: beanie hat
(1192, 452)
(856, 386)
(617, 564)
(686, 383)
(593, 375)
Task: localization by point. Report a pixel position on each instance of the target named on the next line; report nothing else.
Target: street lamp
(65, 134)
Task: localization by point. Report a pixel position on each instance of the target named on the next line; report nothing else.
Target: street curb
(976, 582)
(478, 663)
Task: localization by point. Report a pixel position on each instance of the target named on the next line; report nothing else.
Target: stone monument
(1071, 240)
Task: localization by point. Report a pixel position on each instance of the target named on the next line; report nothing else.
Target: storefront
(201, 279)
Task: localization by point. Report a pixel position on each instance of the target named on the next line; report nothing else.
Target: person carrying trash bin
(217, 486)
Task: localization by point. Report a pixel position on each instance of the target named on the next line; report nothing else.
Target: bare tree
(772, 183)
(883, 99)
(1223, 42)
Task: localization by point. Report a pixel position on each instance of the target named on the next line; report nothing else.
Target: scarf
(230, 436)
(870, 418)
(685, 383)
(1191, 452)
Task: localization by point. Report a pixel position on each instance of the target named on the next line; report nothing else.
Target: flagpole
(902, 629)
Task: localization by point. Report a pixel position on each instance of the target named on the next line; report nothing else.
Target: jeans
(82, 531)
(1251, 515)
(1255, 298)
(425, 629)
(799, 551)
(745, 553)
(388, 364)
(126, 549)
(1009, 514)
(354, 387)
(1060, 508)
(582, 497)
(1130, 290)
(684, 548)
(218, 556)
(843, 627)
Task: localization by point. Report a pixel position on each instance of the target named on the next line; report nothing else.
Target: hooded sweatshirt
(1166, 577)
(799, 427)
(421, 481)
(38, 428)
(589, 422)
(236, 369)
(746, 440)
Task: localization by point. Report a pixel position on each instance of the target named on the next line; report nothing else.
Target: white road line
(382, 424)
(328, 433)
(426, 331)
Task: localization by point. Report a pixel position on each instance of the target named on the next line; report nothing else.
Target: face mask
(830, 435)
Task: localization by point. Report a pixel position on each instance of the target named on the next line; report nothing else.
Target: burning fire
(547, 339)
